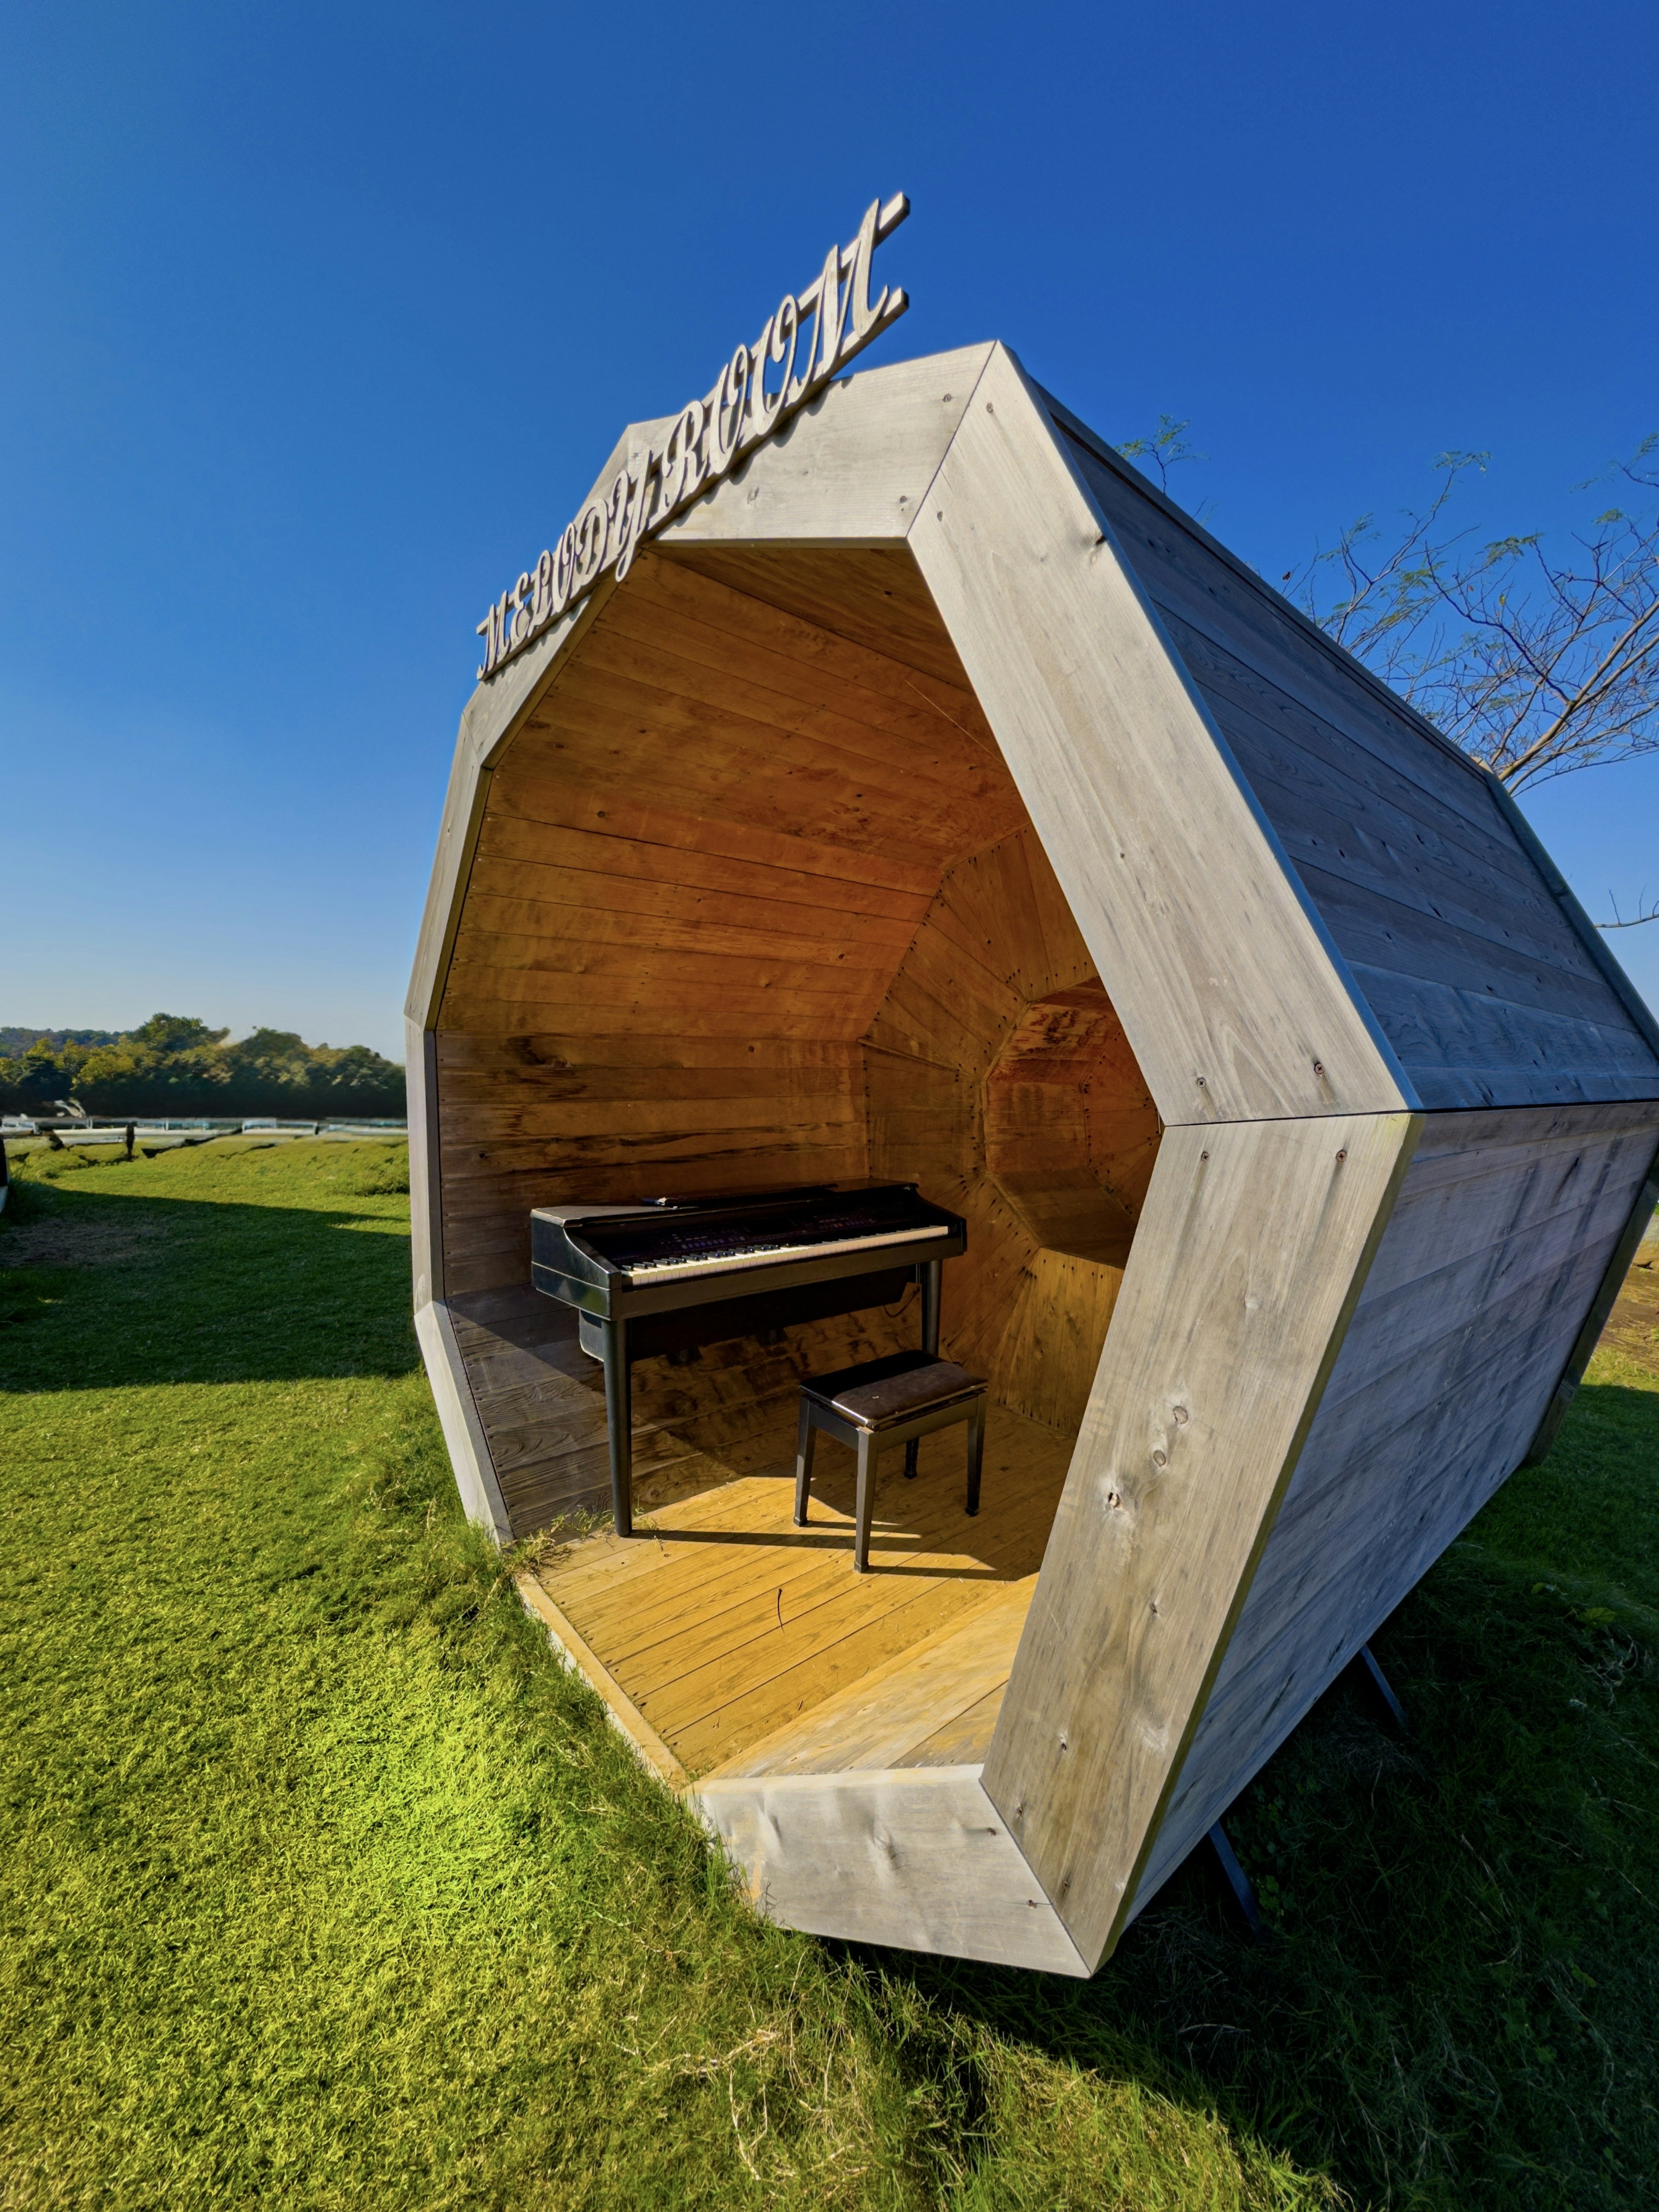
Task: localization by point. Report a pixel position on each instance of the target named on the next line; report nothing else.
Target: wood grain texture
(890, 1716)
(954, 839)
(879, 601)
(486, 723)
(1501, 1231)
(1637, 1232)
(464, 1435)
(1592, 939)
(1418, 863)
(917, 1858)
(852, 466)
(727, 1626)
(1252, 1250)
(1230, 991)
(996, 1072)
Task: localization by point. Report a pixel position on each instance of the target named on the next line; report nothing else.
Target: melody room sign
(812, 334)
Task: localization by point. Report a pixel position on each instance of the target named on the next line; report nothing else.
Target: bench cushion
(883, 1391)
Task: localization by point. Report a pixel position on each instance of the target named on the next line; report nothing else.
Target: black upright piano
(669, 1275)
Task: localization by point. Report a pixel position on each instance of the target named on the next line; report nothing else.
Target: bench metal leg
(1381, 1689)
(806, 1436)
(864, 1505)
(976, 1453)
(1239, 1883)
(932, 1276)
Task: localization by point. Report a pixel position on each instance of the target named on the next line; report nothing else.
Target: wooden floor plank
(895, 1710)
(924, 1525)
(722, 1624)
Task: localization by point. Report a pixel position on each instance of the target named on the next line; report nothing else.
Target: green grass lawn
(323, 1885)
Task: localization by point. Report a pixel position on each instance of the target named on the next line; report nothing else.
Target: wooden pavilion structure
(934, 801)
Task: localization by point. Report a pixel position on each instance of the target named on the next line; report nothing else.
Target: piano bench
(886, 1401)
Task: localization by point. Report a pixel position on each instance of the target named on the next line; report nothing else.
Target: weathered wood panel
(1254, 1245)
(1483, 987)
(1227, 983)
(1501, 1232)
(852, 466)
(917, 1858)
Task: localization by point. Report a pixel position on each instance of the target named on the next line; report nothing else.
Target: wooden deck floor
(727, 1640)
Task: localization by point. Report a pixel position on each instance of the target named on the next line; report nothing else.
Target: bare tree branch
(1535, 667)
(1628, 921)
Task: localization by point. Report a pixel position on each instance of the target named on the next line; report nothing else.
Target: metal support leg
(619, 1419)
(1239, 1883)
(1380, 1689)
(864, 1503)
(806, 1436)
(976, 1453)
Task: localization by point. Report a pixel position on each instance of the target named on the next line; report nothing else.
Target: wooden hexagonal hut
(931, 801)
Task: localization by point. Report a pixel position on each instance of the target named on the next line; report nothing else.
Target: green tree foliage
(175, 1065)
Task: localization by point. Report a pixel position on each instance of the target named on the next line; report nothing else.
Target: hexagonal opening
(757, 900)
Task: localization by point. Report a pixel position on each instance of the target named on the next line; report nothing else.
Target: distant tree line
(172, 1065)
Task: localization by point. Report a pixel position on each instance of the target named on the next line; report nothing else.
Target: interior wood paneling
(754, 900)
(878, 600)
(996, 1057)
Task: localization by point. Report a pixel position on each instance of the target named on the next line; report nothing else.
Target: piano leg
(619, 1420)
(932, 1273)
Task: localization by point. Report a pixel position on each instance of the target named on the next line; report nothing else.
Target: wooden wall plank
(1501, 1231)
(623, 821)
(799, 671)
(853, 464)
(1245, 619)
(495, 921)
(873, 597)
(1047, 1360)
(1467, 1047)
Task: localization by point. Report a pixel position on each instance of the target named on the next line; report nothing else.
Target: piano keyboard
(760, 1256)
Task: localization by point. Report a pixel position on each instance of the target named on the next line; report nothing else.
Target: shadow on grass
(1460, 2006)
(118, 1288)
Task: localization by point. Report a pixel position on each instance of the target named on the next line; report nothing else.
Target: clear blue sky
(321, 318)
